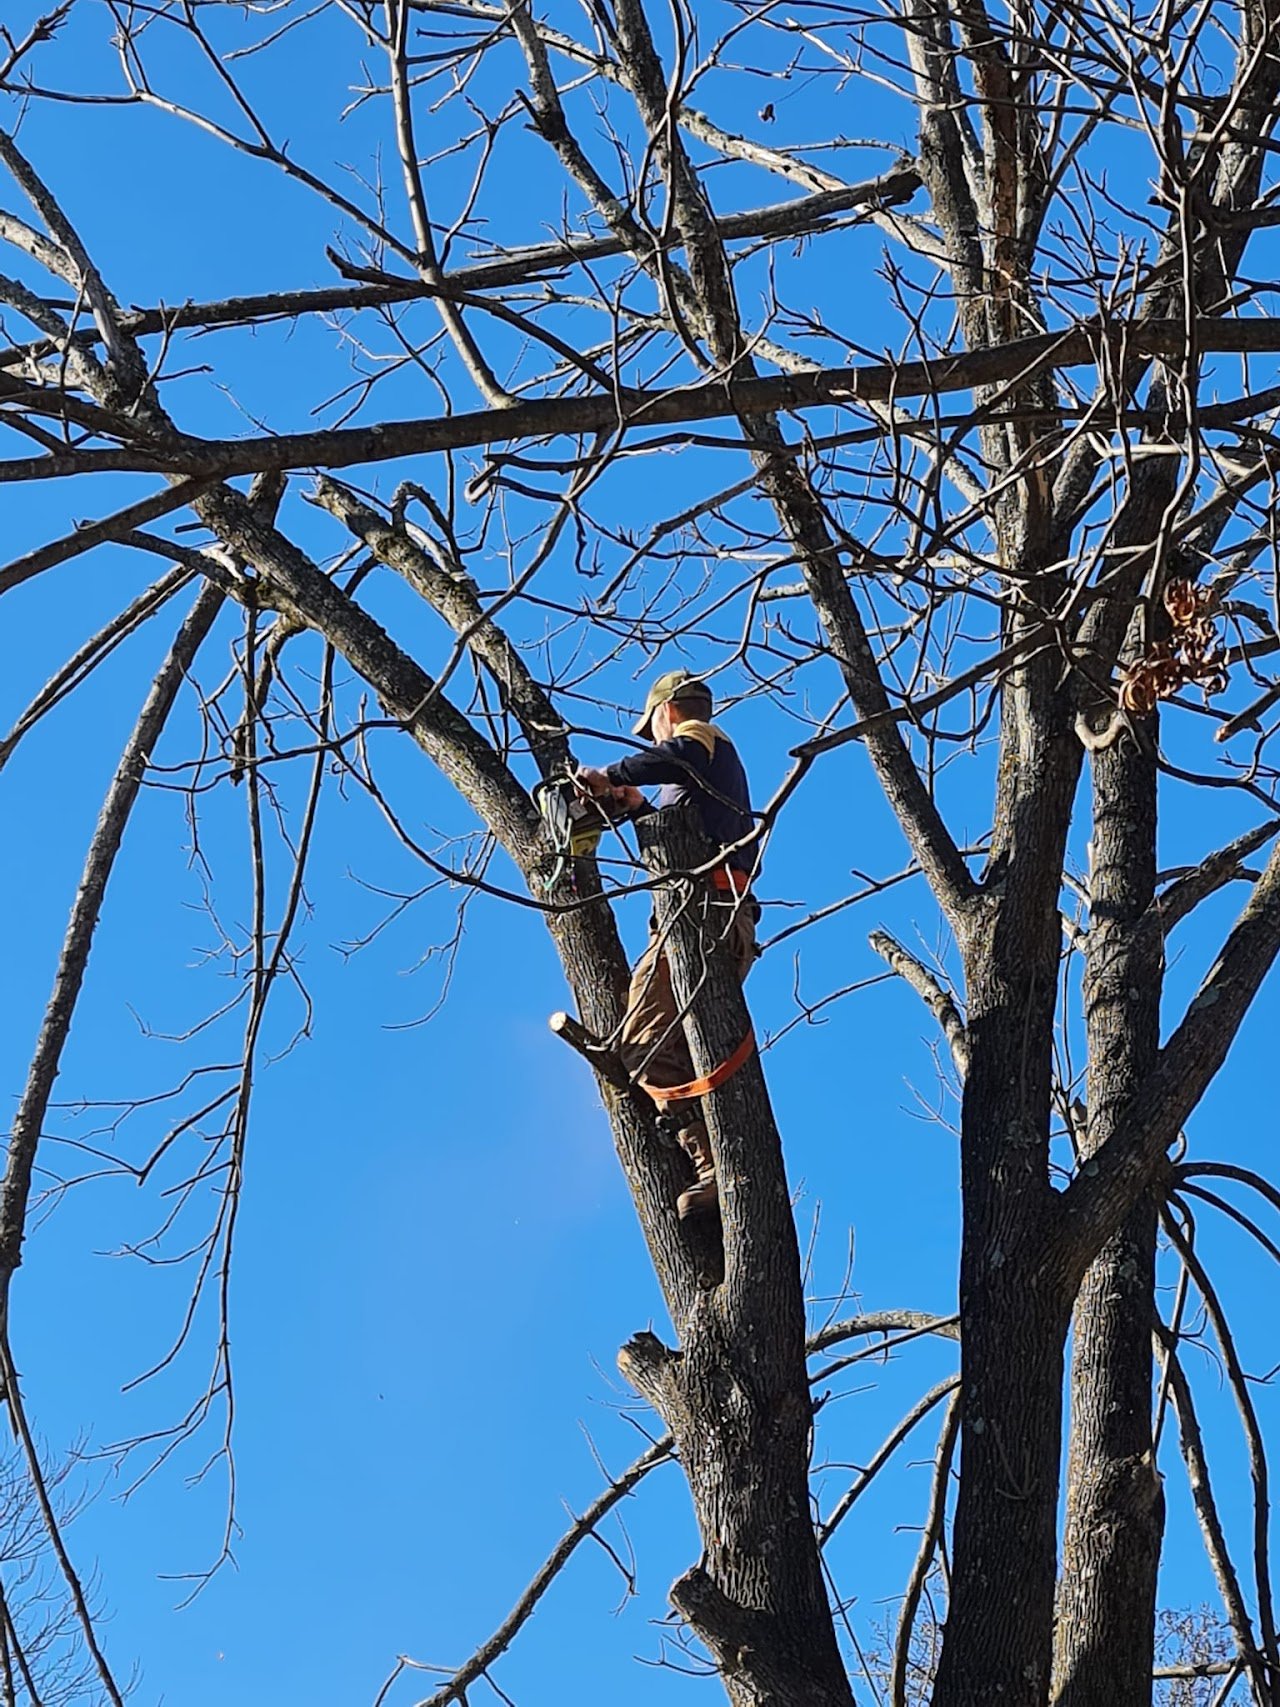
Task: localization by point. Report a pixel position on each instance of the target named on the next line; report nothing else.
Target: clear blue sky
(436, 1259)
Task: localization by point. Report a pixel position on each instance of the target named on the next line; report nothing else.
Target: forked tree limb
(968, 174)
(1097, 1200)
(705, 297)
(405, 689)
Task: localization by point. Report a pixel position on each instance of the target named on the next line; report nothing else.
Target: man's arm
(681, 759)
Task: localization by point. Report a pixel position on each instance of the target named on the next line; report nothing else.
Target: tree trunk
(997, 1646)
(1115, 1506)
(735, 1394)
(1014, 1308)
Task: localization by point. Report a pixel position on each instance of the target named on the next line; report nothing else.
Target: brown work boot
(701, 1198)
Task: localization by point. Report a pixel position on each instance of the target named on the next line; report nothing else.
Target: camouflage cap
(675, 685)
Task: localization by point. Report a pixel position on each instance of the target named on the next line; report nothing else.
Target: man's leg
(652, 1041)
(654, 1051)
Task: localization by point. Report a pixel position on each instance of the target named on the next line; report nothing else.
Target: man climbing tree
(694, 763)
(959, 360)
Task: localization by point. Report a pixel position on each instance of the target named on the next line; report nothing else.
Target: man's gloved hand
(596, 784)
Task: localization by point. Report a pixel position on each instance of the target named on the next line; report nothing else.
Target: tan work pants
(652, 1043)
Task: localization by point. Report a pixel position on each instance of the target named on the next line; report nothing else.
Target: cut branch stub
(603, 1060)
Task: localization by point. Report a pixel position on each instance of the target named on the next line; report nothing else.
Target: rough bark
(1014, 1308)
(1098, 1199)
(1115, 1506)
(1013, 1314)
(735, 1393)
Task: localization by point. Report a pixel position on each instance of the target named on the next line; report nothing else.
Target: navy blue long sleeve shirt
(703, 768)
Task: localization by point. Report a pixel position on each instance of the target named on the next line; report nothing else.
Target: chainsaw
(575, 823)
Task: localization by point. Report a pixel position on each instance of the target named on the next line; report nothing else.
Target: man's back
(698, 763)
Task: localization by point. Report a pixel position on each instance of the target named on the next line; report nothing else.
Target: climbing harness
(712, 1081)
(574, 823)
(725, 880)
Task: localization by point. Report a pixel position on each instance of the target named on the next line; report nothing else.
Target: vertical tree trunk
(1115, 1507)
(1014, 1305)
(735, 1394)
(997, 1646)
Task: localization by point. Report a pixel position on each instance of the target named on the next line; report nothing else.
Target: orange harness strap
(712, 1082)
